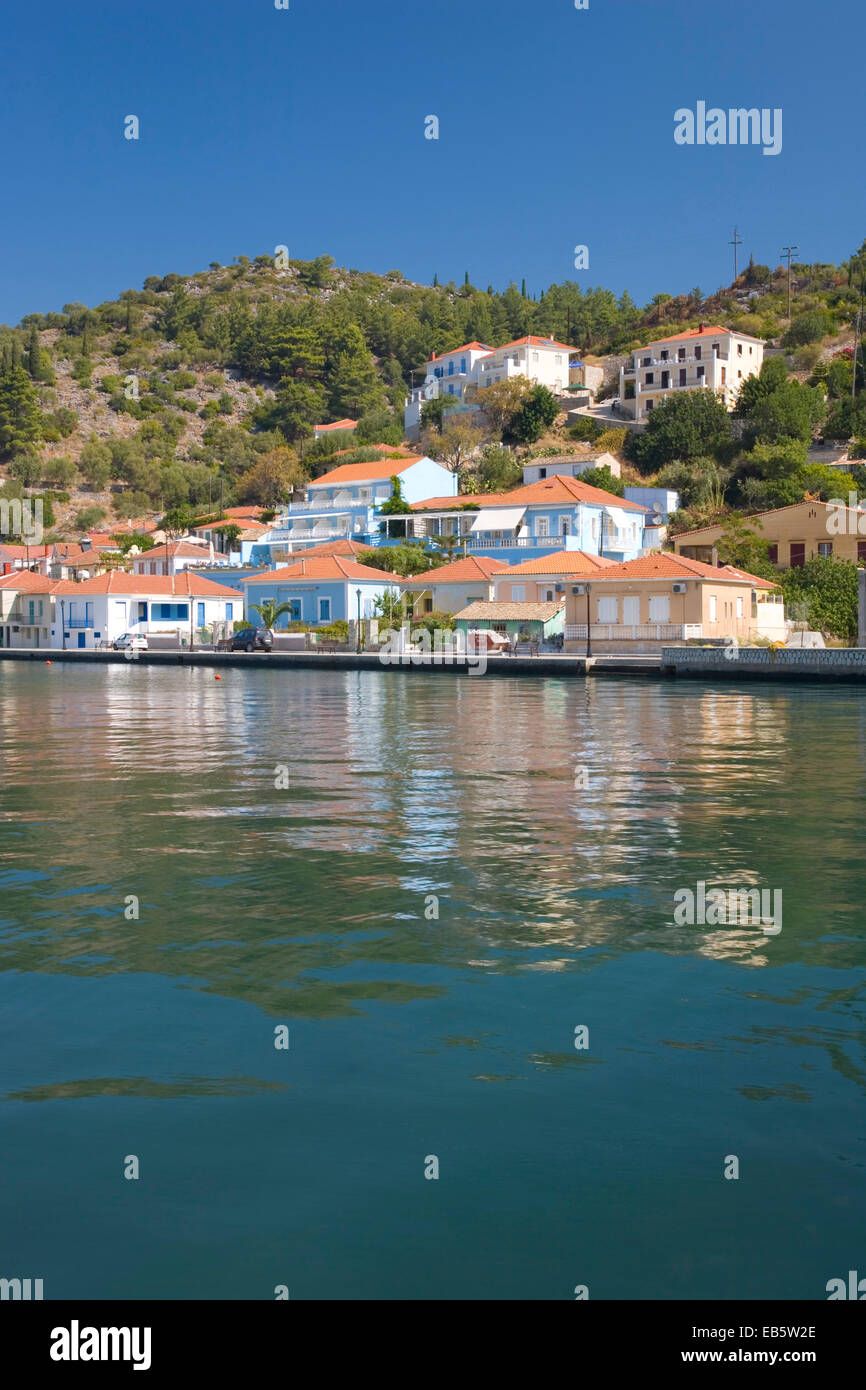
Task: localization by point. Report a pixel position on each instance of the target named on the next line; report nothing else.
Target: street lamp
(358, 629)
(63, 623)
(588, 623)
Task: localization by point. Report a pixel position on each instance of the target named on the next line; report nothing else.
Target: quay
(834, 664)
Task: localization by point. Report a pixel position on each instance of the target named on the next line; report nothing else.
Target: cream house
(794, 534)
(545, 578)
(714, 359)
(665, 598)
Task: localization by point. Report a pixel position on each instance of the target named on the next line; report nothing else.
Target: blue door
(200, 614)
(82, 639)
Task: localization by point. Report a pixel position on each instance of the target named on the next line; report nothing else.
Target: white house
(715, 359)
(568, 466)
(543, 361)
(174, 556)
(102, 609)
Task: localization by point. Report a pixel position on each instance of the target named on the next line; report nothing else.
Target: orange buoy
(48, 663)
(217, 678)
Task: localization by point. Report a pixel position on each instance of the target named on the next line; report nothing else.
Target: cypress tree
(523, 289)
(19, 412)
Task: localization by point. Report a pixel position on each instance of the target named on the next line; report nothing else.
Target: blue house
(320, 590)
(558, 513)
(345, 503)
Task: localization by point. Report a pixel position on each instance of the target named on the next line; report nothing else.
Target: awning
(498, 519)
(620, 518)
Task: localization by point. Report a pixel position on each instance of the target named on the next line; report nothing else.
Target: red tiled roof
(560, 562)
(704, 332)
(666, 565)
(29, 582)
(367, 472)
(345, 546)
(532, 340)
(337, 425)
(324, 567)
(187, 550)
(464, 570)
(178, 585)
(559, 488)
(467, 347)
(21, 552)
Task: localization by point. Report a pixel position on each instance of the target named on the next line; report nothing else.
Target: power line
(737, 241)
(789, 252)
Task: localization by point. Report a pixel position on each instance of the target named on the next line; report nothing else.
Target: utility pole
(737, 241)
(788, 252)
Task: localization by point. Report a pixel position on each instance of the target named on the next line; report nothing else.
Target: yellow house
(795, 534)
(665, 598)
(704, 358)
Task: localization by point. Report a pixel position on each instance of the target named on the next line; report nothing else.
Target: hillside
(204, 389)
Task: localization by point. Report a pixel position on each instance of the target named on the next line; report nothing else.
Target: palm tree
(269, 611)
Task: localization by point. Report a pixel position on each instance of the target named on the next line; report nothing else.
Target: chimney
(700, 328)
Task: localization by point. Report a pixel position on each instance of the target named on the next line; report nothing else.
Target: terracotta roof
(185, 549)
(559, 488)
(21, 552)
(533, 341)
(502, 612)
(324, 567)
(464, 570)
(370, 472)
(560, 562)
(467, 347)
(666, 565)
(178, 585)
(344, 546)
(257, 528)
(712, 332)
(337, 425)
(28, 582)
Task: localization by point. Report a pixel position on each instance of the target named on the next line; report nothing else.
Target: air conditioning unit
(679, 588)
(578, 588)
(560, 588)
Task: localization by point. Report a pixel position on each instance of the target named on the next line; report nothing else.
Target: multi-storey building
(714, 359)
(543, 361)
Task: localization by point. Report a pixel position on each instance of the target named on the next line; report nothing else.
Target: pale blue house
(345, 503)
(558, 513)
(320, 590)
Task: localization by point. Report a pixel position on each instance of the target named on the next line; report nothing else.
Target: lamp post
(63, 624)
(358, 629)
(588, 622)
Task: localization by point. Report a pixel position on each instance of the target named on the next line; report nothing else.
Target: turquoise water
(412, 1036)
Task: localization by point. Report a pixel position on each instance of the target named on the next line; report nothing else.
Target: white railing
(611, 632)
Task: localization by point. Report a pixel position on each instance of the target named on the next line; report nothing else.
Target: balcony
(654, 632)
(76, 624)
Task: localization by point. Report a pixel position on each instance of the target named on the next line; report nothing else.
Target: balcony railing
(612, 632)
(79, 623)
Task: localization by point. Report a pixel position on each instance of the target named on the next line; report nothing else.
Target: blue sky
(305, 127)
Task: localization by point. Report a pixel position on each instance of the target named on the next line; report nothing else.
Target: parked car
(251, 639)
(130, 642)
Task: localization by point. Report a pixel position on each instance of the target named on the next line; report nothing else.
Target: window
(534, 357)
(463, 364)
(542, 526)
(648, 405)
(645, 361)
(773, 554)
(697, 352)
(798, 554)
(518, 593)
(550, 596)
(324, 610)
(724, 375)
(199, 614)
(701, 371)
(450, 390)
(666, 380)
(542, 472)
(608, 610)
(558, 359)
(716, 349)
(595, 528)
(649, 379)
(739, 608)
(739, 376)
(825, 548)
(683, 376)
(428, 604)
(230, 608)
(659, 608)
(365, 494)
(739, 349)
(169, 612)
(861, 552)
(665, 355)
(712, 608)
(681, 354)
(451, 368)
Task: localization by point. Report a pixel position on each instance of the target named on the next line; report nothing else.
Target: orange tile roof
(252, 527)
(366, 472)
(467, 347)
(464, 570)
(345, 546)
(704, 332)
(178, 585)
(667, 565)
(561, 562)
(559, 488)
(324, 567)
(532, 340)
(337, 425)
(21, 552)
(185, 549)
(29, 582)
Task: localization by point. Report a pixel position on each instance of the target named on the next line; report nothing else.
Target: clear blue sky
(305, 127)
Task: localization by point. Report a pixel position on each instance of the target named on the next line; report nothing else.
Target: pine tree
(466, 278)
(20, 416)
(435, 282)
(523, 289)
